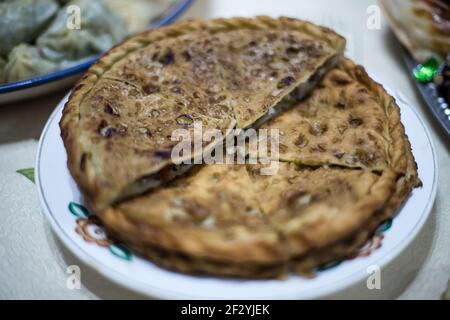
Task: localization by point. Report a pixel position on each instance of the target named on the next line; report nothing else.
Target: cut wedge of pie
(348, 120)
(118, 122)
(209, 221)
(318, 207)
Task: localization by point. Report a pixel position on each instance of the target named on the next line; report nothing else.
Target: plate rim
(157, 292)
(173, 12)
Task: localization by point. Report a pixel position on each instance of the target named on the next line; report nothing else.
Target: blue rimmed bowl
(44, 84)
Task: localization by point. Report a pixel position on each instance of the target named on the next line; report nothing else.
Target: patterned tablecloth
(34, 263)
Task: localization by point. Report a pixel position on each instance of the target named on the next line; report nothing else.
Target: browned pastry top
(316, 208)
(118, 121)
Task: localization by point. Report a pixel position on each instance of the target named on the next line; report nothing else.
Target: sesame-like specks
(107, 132)
(283, 148)
(339, 155)
(299, 199)
(276, 92)
(214, 89)
(364, 157)
(355, 122)
(319, 148)
(122, 131)
(163, 155)
(155, 113)
(318, 129)
(278, 65)
(150, 89)
(177, 90)
(215, 178)
(209, 222)
(351, 159)
(195, 210)
(301, 141)
(185, 120)
(217, 99)
(293, 50)
(168, 58)
(285, 82)
(342, 128)
(144, 131)
(104, 130)
(187, 55)
(340, 104)
(109, 109)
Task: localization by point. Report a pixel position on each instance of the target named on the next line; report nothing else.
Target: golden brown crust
(349, 120)
(318, 207)
(99, 126)
(394, 131)
(349, 247)
(210, 214)
(227, 220)
(197, 266)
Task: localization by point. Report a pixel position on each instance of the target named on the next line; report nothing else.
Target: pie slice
(348, 121)
(348, 246)
(209, 221)
(368, 167)
(118, 119)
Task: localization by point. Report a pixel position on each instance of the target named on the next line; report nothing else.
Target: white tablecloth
(33, 262)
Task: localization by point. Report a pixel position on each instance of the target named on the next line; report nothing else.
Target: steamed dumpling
(24, 62)
(23, 20)
(104, 23)
(100, 30)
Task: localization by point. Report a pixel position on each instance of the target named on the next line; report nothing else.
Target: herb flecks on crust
(222, 72)
(233, 221)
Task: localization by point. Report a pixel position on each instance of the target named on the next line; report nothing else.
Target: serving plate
(83, 235)
(41, 85)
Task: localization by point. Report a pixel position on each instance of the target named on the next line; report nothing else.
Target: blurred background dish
(47, 44)
(436, 93)
(423, 28)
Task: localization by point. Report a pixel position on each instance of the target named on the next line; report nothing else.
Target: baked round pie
(345, 164)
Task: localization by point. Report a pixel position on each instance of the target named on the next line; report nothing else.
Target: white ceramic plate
(62, 203)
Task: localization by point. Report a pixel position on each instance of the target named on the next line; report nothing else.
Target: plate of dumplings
(47, 44)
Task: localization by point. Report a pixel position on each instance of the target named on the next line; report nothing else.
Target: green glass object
(427, 71)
